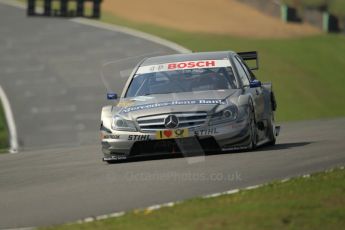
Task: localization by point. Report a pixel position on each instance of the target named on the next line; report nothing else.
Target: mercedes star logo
(171, 122)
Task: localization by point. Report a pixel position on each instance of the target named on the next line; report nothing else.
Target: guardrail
(64, 9)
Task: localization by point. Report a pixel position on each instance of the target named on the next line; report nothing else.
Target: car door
(256, 92)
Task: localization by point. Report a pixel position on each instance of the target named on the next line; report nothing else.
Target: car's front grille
(186, 120)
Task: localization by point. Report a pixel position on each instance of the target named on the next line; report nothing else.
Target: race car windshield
(177, 81)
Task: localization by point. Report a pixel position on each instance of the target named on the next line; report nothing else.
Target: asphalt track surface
(50, 71)
(58, 179)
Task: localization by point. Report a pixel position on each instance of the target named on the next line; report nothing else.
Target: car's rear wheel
(253, 128)
(271, 128)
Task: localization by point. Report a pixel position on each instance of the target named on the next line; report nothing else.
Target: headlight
(226, 115)
(121, 124)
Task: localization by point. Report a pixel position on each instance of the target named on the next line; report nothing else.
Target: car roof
(187, 57)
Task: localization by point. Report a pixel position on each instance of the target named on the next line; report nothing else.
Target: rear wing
(250, 56)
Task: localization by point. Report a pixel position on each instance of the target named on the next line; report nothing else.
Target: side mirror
(255, 84)
(111, 96)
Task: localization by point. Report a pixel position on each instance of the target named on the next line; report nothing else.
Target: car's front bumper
(227, 136)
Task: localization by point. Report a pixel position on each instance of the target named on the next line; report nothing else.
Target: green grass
(305, 203)
(307, 73)
(3, 131)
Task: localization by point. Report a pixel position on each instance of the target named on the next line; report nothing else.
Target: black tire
(271, 131)
(253, 128)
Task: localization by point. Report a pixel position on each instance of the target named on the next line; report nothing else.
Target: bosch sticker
(192, 64)
(184, 65)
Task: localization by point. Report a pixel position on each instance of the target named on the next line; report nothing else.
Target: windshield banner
(183, 65)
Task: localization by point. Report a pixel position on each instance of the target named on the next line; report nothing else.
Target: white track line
(10, 121)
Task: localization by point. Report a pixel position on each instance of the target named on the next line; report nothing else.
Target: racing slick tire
(271, 131)
(271, 127)
(253, 128)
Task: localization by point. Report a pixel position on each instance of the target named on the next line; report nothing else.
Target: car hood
(205, 101)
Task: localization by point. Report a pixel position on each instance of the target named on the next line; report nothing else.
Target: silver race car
(189, 103)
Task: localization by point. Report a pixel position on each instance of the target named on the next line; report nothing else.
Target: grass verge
(316, 202)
